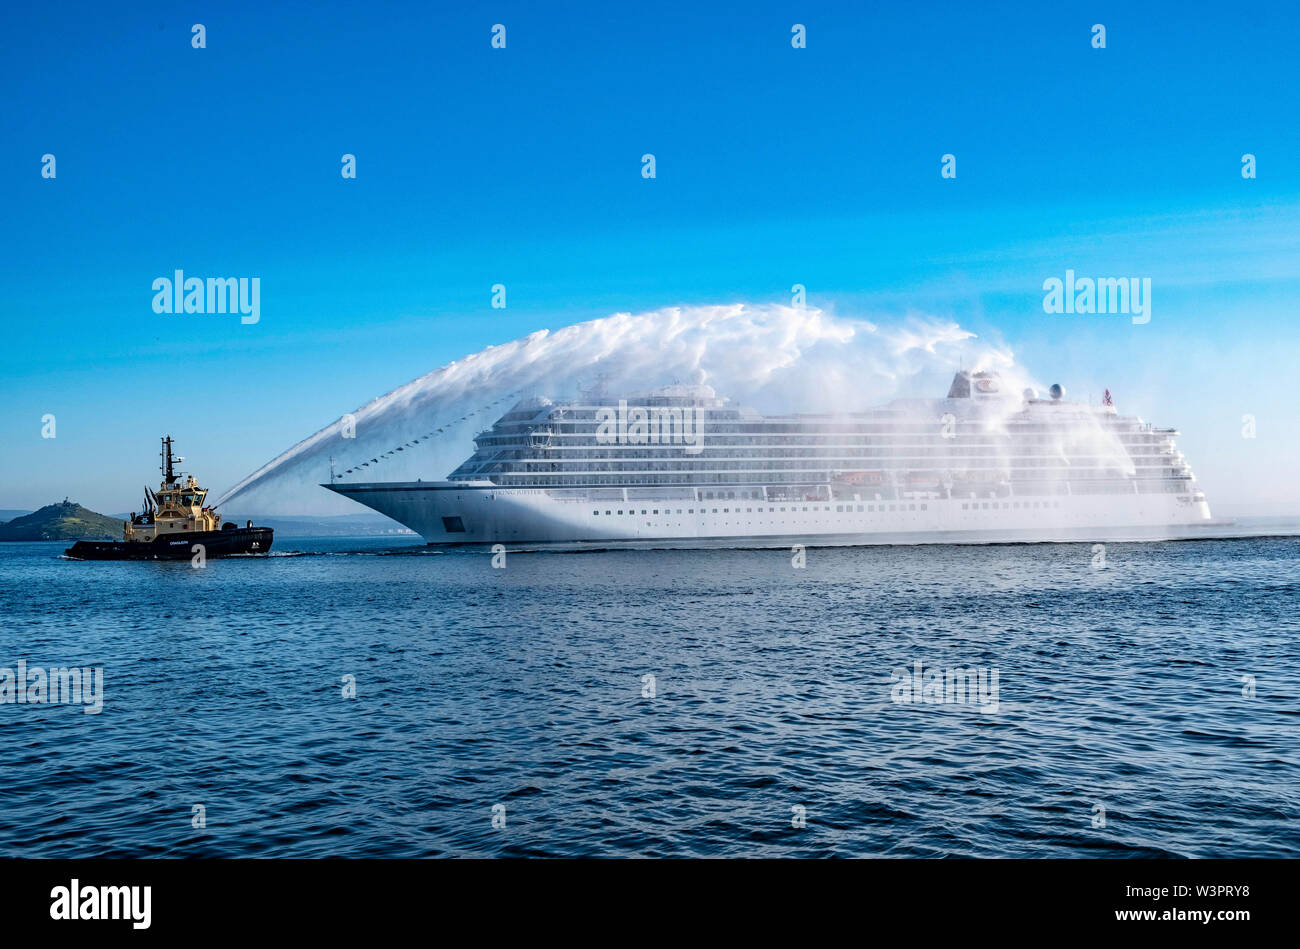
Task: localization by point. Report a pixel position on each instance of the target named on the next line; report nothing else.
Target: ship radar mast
(168, 461)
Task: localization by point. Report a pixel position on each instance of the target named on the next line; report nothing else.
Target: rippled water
(1120, 687)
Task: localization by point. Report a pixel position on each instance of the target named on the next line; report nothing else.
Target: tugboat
(174, 521)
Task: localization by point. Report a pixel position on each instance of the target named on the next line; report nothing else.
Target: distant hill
(66, 520)
(7, 515)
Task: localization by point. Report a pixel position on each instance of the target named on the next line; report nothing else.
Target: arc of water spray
(775, 356)
(434, 434)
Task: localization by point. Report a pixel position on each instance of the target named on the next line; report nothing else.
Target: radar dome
(1030, 394)
(1057, 391)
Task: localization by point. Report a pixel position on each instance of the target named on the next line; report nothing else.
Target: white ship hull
(483, 513)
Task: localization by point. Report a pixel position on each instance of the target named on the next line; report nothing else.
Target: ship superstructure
(681, 463)
(176, 507)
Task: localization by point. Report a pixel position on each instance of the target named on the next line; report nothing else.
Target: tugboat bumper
(241, 540)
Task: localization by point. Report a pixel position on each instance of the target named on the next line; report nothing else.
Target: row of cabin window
(1006, 505)
(861, 509)
(870, 508)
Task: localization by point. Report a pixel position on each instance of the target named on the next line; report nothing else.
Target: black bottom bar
(649, 899)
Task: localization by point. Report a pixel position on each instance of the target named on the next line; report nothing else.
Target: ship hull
(448, 513)
(240, 541)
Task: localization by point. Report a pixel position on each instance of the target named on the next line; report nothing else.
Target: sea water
(375, 697)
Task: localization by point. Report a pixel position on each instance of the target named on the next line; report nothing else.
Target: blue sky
(521, 166)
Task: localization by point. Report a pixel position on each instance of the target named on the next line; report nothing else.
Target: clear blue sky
(522, 166)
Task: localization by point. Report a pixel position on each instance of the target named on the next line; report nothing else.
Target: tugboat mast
(169, 476)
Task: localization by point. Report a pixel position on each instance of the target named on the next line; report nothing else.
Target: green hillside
(66, 520)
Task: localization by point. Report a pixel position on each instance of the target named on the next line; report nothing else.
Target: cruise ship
(680, 465)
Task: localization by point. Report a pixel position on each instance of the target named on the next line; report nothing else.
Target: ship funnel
(975, 385)
(960, 388)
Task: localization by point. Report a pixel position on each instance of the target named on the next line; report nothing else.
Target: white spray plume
(774, 358)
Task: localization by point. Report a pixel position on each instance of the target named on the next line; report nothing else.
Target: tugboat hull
(224, 543)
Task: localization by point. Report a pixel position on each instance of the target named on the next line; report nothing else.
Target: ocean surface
(1147, 705)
